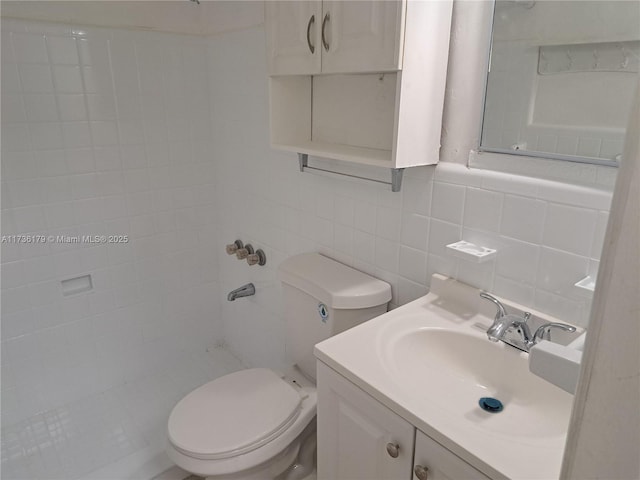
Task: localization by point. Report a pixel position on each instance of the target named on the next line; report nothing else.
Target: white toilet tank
(321, 298)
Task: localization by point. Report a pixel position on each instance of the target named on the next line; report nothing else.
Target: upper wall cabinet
(334, 36)
(293, 37)
(359, 81)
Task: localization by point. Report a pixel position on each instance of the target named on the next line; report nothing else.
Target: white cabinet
(434, 462)
(293, 37)
(359, 81)
(359, 438)
(310, 37)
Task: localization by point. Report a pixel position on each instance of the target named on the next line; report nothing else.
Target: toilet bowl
(262, 419)
(258, 424)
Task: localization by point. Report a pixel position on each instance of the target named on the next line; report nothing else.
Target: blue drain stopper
(489, 404)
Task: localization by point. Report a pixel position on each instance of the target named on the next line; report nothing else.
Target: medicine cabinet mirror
(561, 78)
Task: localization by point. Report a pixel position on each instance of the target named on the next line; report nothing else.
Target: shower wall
(105, 132)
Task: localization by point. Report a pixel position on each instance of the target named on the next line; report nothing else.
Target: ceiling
(208, 18)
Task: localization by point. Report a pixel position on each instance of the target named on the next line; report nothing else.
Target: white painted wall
(604, 435)
(103, 132)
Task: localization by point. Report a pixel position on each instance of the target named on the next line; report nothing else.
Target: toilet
(259, 424)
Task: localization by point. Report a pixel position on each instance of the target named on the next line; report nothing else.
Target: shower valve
(258, 258)
(234, 247)
(243, 253)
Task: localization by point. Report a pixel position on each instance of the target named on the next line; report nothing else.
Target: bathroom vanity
(399, 396)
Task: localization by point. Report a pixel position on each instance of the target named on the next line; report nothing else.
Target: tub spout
(243, 291)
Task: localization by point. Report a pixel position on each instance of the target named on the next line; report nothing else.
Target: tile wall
(108, 132)
(104, 132)
(549, 234)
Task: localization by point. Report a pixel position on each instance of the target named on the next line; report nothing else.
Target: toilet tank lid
(335, 284)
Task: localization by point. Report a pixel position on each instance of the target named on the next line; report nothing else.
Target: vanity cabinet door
(434, 462)
(358, 437)
(293, 36)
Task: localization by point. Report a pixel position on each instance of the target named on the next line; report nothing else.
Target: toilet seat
(267, 449)
(233, 414)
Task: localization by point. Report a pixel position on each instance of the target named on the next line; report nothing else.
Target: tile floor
(114, 434)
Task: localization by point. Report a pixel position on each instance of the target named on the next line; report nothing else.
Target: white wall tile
(68, 79)
(413, 264)
(72, 107)
(518, 261)
(417, 195)
(442, 234)
(63, 50)
(76, 134)
(558, 271)
(365, 216)
(448, 202)
(570, 229)
(414, 231)
(514, 290)
(388, 223)
(66, 170)
(46, 136)
(482, 209)
(523, 218)
(16, 138)
(29, 48)
(364, 246)
(29, 219)
(39, 108)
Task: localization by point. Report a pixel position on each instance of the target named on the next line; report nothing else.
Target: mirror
(561, 78)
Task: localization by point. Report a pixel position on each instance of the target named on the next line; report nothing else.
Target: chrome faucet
(505, 323)
(243, 291)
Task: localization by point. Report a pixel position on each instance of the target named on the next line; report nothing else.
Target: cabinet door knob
(325, 44)
(312, 20)
(421, 472)
(393, 449)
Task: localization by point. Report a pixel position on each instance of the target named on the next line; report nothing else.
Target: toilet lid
(233, 414)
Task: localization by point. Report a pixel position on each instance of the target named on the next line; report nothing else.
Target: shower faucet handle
(232, 248)
(258, 258)
(243, 253)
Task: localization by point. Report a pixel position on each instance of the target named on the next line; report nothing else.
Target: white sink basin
(458, 368)
(430, 361)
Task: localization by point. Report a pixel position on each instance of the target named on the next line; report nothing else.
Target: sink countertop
(524, 441)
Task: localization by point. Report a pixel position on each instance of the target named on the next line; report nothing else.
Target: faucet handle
(243, 253)
(234, 247)
(501, 310)
(544, 331)
(257, 258)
